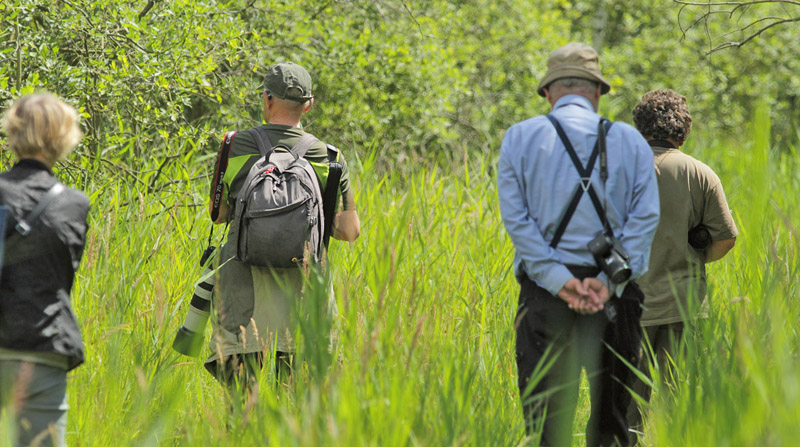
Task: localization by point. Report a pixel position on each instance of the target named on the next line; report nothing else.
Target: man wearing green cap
(570, 184)
(254, 304)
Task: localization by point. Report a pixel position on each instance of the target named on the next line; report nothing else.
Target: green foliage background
(423, 78)
(418, 95)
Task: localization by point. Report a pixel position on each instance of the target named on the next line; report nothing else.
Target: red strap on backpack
(217, 186)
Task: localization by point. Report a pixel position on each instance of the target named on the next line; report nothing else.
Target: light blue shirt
(536, 181)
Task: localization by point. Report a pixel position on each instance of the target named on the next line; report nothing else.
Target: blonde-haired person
(39, 336)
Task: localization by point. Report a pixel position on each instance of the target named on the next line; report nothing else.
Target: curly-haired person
(696, 227)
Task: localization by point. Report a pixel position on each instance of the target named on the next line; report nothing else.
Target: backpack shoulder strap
(303, 145)
(333, 153)
(262, 148)
(25, 225)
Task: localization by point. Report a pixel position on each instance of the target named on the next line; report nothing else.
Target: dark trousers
(554, 339)
(239, 373)
(661, 343)
(241, 370)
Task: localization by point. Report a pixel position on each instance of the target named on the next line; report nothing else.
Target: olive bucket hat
(288, 80)
(573, 60)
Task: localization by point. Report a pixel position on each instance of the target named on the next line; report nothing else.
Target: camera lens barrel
(621, 274)
(189, 339)
(608, 256)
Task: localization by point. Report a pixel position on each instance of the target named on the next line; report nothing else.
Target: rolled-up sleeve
(643, 212)
(539, 260)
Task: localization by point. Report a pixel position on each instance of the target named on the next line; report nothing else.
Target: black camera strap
(585, 185)
(3, 219)
(217, 185)
(329, 198)
(217, 188)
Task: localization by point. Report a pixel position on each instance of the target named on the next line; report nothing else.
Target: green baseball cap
(574, 60)
(288, 80)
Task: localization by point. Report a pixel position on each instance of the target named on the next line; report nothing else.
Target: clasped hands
(584, 297)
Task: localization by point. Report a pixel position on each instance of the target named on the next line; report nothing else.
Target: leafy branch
(750, 31)
(146, 9)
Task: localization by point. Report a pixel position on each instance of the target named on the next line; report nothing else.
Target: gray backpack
(279, 209)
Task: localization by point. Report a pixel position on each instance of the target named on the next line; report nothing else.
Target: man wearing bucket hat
(254, 305)
(579, 200)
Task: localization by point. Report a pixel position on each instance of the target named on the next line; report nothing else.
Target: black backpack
(24, 226)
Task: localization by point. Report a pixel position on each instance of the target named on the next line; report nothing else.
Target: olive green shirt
(690, 194)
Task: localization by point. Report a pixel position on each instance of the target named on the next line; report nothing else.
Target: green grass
(426, 306)
(425, 340)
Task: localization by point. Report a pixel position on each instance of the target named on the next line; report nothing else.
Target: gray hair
(575, 85)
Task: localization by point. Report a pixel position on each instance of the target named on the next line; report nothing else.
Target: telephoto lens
(189, 339)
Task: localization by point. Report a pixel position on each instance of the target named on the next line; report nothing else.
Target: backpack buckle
(23, 228)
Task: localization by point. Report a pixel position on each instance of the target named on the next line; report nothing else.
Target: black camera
(610, 257)
(700, 237)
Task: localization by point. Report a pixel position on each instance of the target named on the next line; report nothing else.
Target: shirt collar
(661, 146)
(661, 143)
(32, 163)
(658, 150)
(577, 100)
(284, 128)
